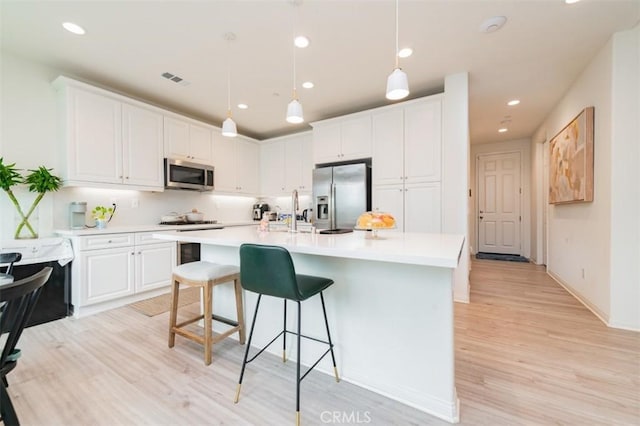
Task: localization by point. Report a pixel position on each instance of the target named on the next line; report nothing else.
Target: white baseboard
(594, 309)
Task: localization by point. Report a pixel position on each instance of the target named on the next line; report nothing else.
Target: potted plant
(102, 215)
(40, 181)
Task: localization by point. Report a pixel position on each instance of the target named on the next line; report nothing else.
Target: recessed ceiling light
(301, 42)
(492, 24)
(307, 85)
(243, 106)
(502, 130)
(73, 28)
(571, 1)
(513, 102)
(405, 52)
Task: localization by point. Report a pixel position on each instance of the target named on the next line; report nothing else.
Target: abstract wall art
(571, 161)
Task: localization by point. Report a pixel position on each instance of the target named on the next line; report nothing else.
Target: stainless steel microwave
(180, 174)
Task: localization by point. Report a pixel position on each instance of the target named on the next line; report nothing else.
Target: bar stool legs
(205, 275)
(299, 336)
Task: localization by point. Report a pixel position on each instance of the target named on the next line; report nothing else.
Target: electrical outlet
(113, 200)
(582, 273)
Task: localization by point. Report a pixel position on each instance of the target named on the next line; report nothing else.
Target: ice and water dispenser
(322, 208)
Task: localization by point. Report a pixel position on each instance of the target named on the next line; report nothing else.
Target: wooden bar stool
(205, 275)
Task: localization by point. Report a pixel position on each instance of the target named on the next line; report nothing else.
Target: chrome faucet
(294, 211)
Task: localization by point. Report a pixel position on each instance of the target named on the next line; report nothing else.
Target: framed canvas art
(571, 161)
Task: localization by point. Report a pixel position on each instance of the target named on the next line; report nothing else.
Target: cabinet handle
(132, 253)
(400, 189)
(139, 252)
(109, 241)
(126, 177)
(120, 177)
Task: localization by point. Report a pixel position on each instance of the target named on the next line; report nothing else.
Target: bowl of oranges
(374, 221)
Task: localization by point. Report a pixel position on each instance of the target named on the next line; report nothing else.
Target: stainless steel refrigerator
(341, 193)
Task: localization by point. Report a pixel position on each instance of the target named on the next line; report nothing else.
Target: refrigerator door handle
(332, 207)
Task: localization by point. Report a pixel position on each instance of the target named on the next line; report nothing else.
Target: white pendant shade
(397, 85)
(294, 112)
(229, 128)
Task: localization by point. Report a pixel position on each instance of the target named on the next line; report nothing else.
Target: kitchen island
(390, 309)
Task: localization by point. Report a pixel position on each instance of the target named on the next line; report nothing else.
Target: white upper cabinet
(423, 140)
(142, 147)
(272, 171)
(188, 140)
(407, 143)
(286, 164)
(109, 142)
(237, 164)
(341, 139)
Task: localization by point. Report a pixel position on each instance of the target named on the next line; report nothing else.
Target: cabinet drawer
(106, 241)
(146, 238)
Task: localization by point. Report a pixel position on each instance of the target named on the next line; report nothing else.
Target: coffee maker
(259, 209)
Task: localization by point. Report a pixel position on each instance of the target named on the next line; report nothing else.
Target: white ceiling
(535, 57)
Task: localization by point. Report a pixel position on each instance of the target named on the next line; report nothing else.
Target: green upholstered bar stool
(269, 271)
(205, 275)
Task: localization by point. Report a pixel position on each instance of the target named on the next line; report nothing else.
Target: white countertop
(442, 250)
(144, 228)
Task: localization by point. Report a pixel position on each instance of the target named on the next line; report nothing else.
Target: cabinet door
(326, 143)
(142, 147)
(422, 208)
(293, 168)
(423, 141)
(390, 199)
(95, 138)
(306, 163)
(201, 144)
(224, 161)
(356, 138)
(176, 139)
(248, 166)
(106, 274)
(388, 147)
(154, 264)
(272, 170)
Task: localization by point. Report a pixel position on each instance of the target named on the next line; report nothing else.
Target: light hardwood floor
(526, 353)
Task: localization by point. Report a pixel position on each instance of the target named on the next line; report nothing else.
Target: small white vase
(101, 223)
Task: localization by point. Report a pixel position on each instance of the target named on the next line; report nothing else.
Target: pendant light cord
(396, 52)
(229, 77)
(295, 92)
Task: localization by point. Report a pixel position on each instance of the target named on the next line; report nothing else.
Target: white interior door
(499, 203)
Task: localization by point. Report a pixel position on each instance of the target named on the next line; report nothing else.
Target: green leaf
(9, 175)
(41, 180)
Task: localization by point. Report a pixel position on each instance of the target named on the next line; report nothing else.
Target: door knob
(480, 217)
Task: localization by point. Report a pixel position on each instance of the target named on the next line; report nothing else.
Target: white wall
(29, 129)
(625, 181)
(455, 172)
(603, 237)
(523, 147)
(579, 234)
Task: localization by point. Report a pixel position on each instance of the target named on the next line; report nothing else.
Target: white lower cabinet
(416, 207)
(115, 267)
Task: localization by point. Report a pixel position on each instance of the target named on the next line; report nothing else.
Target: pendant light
(294, 109)
(229, 128)
(397, 82)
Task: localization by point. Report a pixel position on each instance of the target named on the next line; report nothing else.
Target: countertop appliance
(180, 174)
(341, 192)
(55, 300)
(77, 214)
(259, 210)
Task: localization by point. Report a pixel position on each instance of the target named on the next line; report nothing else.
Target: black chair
(9, 259)
(18, 300)
(269, 270)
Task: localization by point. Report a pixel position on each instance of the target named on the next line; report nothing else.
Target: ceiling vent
(175, 78)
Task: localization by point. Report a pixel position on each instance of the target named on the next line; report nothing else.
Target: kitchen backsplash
(53, 210)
